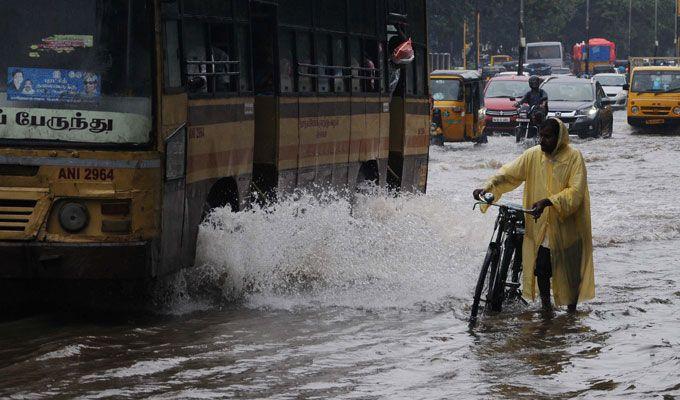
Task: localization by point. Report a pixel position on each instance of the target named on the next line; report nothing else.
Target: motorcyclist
(536, 96)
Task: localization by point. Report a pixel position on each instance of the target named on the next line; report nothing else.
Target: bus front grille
(15, 215)
(656, 110)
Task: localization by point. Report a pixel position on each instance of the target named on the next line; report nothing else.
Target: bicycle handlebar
(488, 199)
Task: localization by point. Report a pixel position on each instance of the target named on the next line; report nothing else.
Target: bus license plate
(500, 119)
(654, 121)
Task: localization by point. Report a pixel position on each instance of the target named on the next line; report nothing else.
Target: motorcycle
(529, 118)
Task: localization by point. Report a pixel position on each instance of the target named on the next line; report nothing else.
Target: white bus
(551, 53)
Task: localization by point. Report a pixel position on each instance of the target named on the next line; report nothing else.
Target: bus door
(175, 244)
(264, 37)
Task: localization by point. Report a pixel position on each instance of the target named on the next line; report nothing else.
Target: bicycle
(504, 252)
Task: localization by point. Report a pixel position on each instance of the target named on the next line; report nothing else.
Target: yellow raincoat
(562, 178)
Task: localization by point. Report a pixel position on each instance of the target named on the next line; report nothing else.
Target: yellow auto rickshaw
(458, 106)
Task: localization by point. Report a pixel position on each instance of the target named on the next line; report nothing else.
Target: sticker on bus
(52, 85)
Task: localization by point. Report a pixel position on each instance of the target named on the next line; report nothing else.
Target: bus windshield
(446, 90)
(76, 71)
(544, 52)
(656, 81)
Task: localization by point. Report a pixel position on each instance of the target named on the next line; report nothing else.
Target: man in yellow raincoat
(558, 240)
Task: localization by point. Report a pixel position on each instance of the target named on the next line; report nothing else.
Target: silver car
(613, 87)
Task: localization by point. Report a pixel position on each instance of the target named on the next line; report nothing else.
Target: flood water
(324, 300)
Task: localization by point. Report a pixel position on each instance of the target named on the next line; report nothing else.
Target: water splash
(378, 251)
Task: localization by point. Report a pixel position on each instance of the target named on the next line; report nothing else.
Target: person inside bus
(558, 241)
(535, 96)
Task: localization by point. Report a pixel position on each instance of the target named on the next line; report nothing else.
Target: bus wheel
(224, 192)
(368, 177)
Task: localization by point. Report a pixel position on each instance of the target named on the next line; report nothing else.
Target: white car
(613, 87)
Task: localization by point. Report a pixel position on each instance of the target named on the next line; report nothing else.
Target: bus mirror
(175, 154)
(626, 87)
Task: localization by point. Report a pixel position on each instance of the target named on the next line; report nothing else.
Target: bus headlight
(635, 109)
(676, 111)
(73, 217)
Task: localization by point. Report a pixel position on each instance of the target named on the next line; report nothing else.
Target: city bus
(550, 53)
(123, 122)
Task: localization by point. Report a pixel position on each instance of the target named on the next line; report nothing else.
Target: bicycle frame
(505, 248)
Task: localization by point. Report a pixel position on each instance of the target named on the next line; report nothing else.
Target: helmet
(534, 82)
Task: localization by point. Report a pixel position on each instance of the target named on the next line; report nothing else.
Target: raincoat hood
(562, 138)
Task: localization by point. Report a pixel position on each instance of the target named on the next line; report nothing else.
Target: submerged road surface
(315, 300)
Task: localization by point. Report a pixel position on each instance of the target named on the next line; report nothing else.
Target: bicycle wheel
(491, 255)
(497, 292)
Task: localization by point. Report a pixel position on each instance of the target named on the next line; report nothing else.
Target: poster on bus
(52, 85)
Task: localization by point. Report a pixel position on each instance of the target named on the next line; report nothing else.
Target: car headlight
(73, 217)
(588, 112)
(676, 111)
(635, 109)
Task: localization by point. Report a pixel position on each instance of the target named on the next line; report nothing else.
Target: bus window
(370, 63)
(362, 17)
(304, 56)
(322, 58)
(195, 46)
(208, 8)
(172, 74)
(330, 14)
(355, 63)
(339, 59)
(221, 51)
(286, 67)
(383, 70)
(244, 78)
(409, 75)
(295, 12)
(421, 80)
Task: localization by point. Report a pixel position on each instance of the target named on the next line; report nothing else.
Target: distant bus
(551, 53)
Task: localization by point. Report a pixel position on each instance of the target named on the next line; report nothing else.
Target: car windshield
(611, 80)
(656, 81)
(446, 90)
(76, 71)
(569, 91)
(543, 52)
(507, 89)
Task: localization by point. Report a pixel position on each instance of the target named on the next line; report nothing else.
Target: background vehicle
(602, 55)
(654, 97)
(539, 69)
(184, 109)
(529, 119)
(458, 97)
(550, 53)
(500, 96)
(613, 84)
(511, 66)
(503, 258)
(581, 104)
(499, 60)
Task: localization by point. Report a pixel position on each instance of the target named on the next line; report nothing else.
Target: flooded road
(316, 300)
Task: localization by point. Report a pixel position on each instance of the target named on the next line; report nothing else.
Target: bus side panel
(288, 144)
(308, 146)
(265, 153)
(417, 145)
(384, 151)
(336, 113)
(359, 132)
(220, 145)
